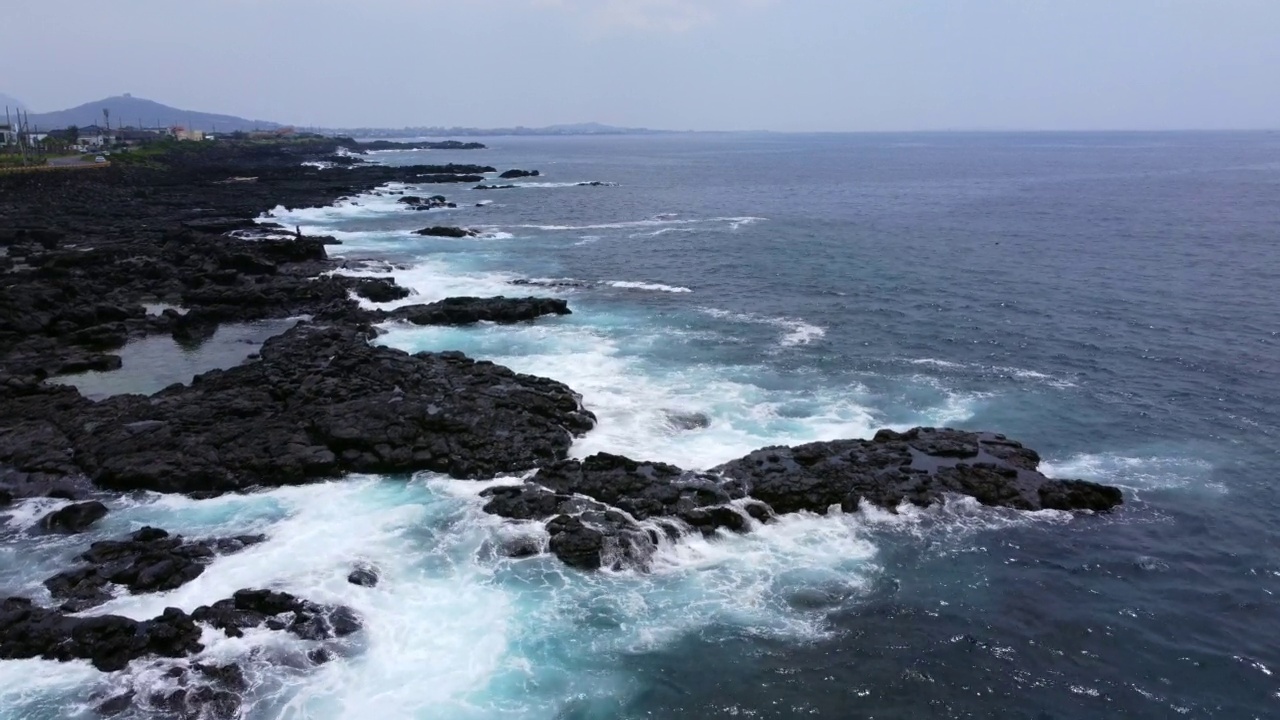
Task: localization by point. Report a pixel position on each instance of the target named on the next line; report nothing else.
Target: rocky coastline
(85, 254)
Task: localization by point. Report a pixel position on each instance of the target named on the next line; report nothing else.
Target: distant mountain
(8, 101)
(127, 110)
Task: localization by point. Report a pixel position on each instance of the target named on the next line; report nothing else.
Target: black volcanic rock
(468, 310)
(612, 511)
(278, 611)
(380, 290)
(431, 203)
(483, 186)
(919, 466)
(74, 518)
(149, 560)
(446, 231)
(364, 576)
(110, 642)
(320, 401)
(513, 174)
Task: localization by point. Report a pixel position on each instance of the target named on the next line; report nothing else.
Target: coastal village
(25, 147)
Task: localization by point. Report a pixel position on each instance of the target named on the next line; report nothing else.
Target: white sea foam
(1137, 473)
(796, 332)
(657, 287)
(431, 279)
(1000, 370)
(651, 222)
(634, 398)
(453, 630)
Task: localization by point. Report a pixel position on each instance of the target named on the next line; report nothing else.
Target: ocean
(1110, 299)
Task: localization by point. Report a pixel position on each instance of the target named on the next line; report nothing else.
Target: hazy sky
(678, 64)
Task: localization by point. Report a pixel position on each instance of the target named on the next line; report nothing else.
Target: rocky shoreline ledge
(85, 253)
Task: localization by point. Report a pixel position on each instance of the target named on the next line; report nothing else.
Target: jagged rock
(611, 511)
(512, 174)
(149, 560)
(380, 290)
(364, 576)
(467, 310)
(320, 401)
(74, 518)
(449, 232)
(431, 203)
(483, 186)
(110, 642)
(280, 611)
(919, 466)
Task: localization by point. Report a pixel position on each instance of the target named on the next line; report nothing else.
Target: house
(180, 133)
(84, 139)
(135, 136)
(8, 136)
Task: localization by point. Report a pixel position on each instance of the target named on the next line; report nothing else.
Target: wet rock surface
(513, 174)
(447, 231)
(380, 290)
(611, 511)
(468, 310)
(74, 518)
(111, 642)
(434, 202)
(363, 576)
(149, 560)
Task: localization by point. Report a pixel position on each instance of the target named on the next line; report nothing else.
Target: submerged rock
(483, 186)
(75, 518)
(467, 310)
(611, 511)
(444, 178)
(364, 576)
(513, 174)
(552, 282)
(688, 420)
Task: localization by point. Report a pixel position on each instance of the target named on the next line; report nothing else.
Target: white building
(8, 136)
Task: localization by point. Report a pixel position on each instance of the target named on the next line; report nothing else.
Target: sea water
(1112, 300)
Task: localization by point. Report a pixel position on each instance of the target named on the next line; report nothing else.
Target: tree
(73, 134)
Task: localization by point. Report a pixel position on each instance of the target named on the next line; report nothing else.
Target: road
(70, 161)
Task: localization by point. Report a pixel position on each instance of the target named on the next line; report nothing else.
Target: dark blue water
(1112, 300)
